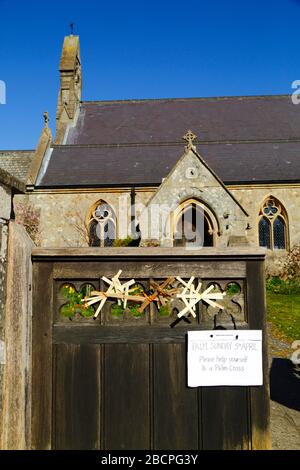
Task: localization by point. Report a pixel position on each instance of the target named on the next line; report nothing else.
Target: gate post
(15, 420)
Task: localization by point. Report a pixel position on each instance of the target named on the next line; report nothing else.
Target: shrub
(278, 285)
(233, 289)
(75, 304)
(117, 310)
(150, 243)
(291, 267)
(128, 241)
(29, 216)
(164, 310)
(288, 280)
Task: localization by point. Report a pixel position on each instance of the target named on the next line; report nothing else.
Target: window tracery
(102, 225)
(272, 227)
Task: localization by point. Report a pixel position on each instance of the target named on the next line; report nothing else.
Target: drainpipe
(132, 211)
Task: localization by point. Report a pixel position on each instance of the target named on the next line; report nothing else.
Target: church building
(93, 341)
(216, 172)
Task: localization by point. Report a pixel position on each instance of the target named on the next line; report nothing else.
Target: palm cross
(191, 296)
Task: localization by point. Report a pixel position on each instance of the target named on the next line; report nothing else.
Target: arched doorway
(194, 224)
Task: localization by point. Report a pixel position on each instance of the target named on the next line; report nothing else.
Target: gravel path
(285, 394)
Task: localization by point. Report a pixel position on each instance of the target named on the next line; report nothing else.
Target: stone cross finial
(46, 118)
(189, 137)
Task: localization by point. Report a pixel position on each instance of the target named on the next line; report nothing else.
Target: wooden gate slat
(225, 415)
(77, 396)
(175, 407)
(126, 400)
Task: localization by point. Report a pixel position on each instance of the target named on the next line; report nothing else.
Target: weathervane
(189, 137)
(72, 28)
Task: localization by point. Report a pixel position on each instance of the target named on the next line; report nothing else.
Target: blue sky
(142, 49)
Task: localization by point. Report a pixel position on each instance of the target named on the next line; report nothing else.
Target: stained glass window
(264, 233)
(279, 233)
(272, 227)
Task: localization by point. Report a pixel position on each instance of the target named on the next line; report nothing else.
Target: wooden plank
(141, 269)
(42, 356)
(259, 396)
(150, 252)
(175, 406)
(225, 415)
(77, 397)
(95, 334)
(126, 397)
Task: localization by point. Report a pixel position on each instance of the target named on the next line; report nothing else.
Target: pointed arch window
(264, 232)
(279, 233)
(273, 225)
(102, 225)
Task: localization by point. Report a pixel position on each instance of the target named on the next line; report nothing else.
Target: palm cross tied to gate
(189, 294)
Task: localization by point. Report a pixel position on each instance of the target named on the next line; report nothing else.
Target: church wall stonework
(62, 213)
(253, 198)
(190, 178)
(63, 216)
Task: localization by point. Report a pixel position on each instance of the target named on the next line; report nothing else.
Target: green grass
(284, 312)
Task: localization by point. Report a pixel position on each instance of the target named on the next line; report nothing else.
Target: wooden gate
(121, 382)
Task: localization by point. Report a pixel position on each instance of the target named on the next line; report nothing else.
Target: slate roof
(147, 165)
(16, 162)
(243, 139)
(8, 180)
(212, 119)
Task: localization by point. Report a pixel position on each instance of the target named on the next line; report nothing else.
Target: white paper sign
(225, 357)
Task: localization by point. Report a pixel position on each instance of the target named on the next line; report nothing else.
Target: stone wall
(192, 179)
(252, 199)
(62, 212)
(15, 417)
